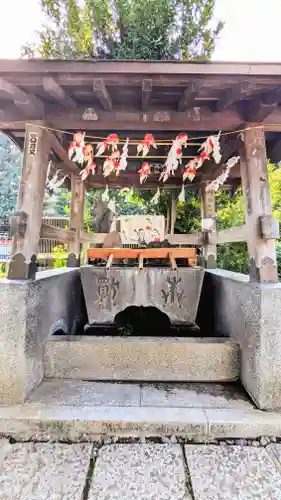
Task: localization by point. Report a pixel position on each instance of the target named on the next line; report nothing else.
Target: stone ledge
(142, 358)
(83, 424)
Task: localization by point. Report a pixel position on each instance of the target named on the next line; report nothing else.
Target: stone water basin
(108, 292)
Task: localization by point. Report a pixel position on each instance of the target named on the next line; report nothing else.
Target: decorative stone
(50, 471)
(73, 261)
(18, 269)
(232, 473)
(136, 471)
(32, 267)
(174, 293)
(269, 227)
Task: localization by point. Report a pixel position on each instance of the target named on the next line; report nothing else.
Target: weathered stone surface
(195, 396)
(232, 473)
(250, 313)
(142, 472)
(83, 393)
(242, 423)
(142, 358)
(30, 311)
(85, 423)
(44, 471)
(175, 293)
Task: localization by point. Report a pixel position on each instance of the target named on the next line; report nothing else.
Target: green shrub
(59, 255)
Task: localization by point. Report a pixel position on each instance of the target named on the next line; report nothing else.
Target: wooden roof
(134, 97)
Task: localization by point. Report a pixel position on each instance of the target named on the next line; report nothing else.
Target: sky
(252, 29)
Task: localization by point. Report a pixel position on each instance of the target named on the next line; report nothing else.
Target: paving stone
(194, 395)
(44, 471)
(232, 473)
(84, 393)
(275, 450)
(141, 472)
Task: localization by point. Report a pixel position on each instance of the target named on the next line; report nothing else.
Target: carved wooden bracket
(269, 227)
(18, 223)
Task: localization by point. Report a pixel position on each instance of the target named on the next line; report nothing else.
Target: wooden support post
(173, 211)
(262, 255)
(208, 213)
(76, 215)
(26, 222)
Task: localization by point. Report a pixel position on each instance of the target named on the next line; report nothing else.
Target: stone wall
(251, 313)
(30, 312)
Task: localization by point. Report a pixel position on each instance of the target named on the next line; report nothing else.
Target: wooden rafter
(146, 93)
(52, 88)
(28, 104)
(188, 98)
(232, 94)
(67, 165)
(102, 94)
(261, 107)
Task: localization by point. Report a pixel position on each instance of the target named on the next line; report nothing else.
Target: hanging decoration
(156, 197)
(76, 148)
(111, 142)
(210, 147)
(145, 145)
(105, 195)
(124, 156)
(55, 182)
(144, 172)
(111, 163)
(181, 196)
(174, 156)
(216, 183)
(90, 164)
(190, 170)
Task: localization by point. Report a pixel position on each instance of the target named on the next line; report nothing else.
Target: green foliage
(59, 255)
(10, 162)
(126, 29)
(57, 203)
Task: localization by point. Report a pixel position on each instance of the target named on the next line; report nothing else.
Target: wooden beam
(52, 88)
(261, 107)
(140, 67)
(231, 235)
(232, 94)
(208, 213)
(49, 232)
(146, 93)
(76, 220)
(188, 97)
(31, 191)
(68, 165)
(131, 118)
(262, 254)
(29, 104)
(102, 94)
(94, 238)
(195, 239)
(173, 211)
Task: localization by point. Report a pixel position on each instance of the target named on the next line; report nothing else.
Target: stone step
(142, 359)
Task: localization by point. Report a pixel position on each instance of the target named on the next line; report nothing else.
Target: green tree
(126, 29)
(10, 164)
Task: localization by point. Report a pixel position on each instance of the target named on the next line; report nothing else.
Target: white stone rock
(140, 472)
(232, 473)
(44, 471)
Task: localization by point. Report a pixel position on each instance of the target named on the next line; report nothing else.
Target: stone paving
(139, 471)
